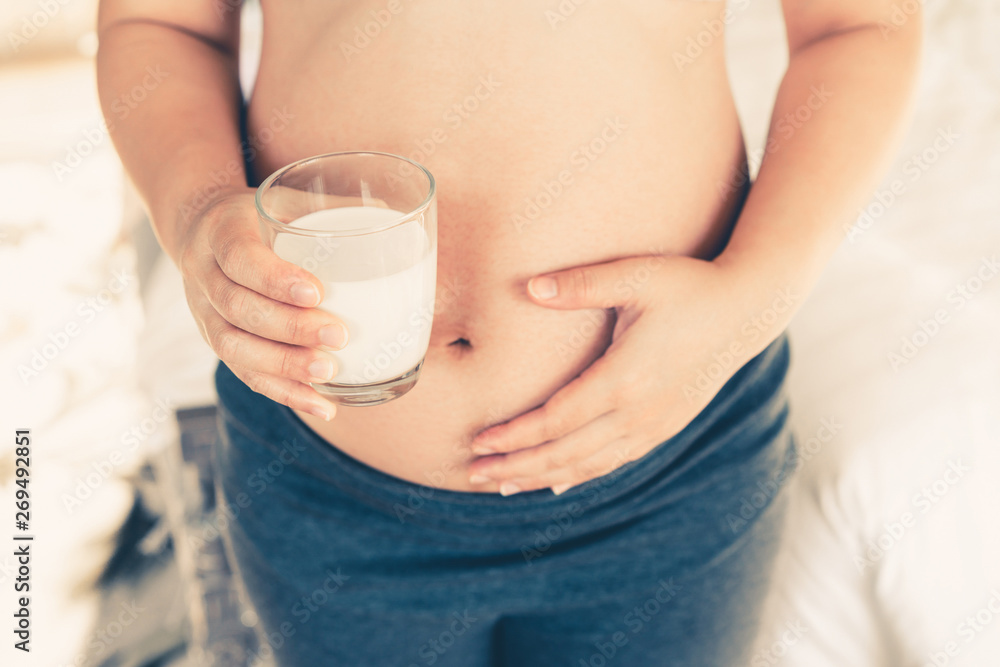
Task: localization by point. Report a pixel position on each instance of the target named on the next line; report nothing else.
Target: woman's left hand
(684, 326)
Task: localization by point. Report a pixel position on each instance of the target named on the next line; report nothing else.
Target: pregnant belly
(550, 150)
(494, 353)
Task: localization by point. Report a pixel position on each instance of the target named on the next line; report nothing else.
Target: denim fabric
(662, 562)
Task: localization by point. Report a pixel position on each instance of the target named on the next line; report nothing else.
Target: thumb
(611, 284)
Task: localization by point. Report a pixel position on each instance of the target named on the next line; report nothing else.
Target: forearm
(185, 129)
(838, 118)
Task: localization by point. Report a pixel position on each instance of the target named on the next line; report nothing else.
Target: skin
(563, 347)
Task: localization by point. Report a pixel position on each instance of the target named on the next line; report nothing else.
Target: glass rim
(285, 227)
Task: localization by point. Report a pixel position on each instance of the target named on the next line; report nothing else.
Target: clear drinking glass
(365, 224)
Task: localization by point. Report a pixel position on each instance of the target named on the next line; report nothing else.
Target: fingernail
(334, 335)
(509, 489)
(305, 294)
(560, 489)
(321, 412)
(478, 479)
(543, 287)
(322, 370)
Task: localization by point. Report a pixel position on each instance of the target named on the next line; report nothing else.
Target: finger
(272, 319)
(552, 456)
(567, 410)
(288, 392)
(607, 285)
(240, 348)
(246, 260)
(603, 462)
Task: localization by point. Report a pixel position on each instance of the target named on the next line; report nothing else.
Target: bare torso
(498, 103)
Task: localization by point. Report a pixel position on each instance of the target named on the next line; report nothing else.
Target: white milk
(381, 285)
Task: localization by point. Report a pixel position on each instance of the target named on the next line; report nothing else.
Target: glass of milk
(365, 224)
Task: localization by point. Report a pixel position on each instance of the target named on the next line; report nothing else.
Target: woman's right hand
(257, 311)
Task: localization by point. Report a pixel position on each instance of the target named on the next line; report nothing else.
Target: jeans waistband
(741, 420)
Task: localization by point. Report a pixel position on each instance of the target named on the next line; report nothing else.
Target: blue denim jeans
(662, 562)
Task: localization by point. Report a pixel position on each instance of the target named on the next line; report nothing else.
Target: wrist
(764, 297)
(204, 198)
(175, 221)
